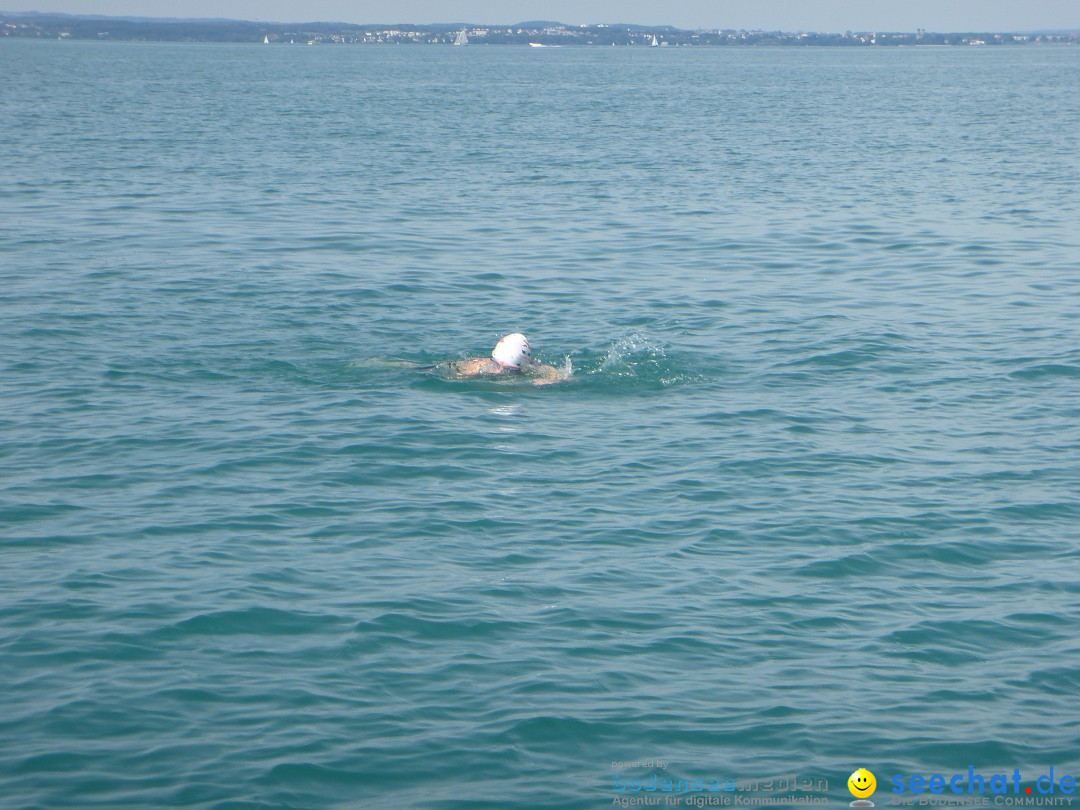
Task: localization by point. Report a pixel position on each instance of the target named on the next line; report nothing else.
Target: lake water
(809, 502)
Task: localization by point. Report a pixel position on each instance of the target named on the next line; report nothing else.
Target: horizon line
(465, 24)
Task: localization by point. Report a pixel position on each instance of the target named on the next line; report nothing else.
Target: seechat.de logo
(999, 785)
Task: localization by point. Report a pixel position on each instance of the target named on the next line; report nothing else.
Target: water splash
(633, 362)
(631, 354)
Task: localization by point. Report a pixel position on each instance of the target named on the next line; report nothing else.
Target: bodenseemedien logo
(862, 785)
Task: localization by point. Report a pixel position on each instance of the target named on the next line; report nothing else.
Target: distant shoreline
(140, 29)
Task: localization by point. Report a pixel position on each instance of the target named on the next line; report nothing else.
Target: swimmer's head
(512, 351)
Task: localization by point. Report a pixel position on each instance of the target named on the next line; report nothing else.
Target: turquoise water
(809, 502)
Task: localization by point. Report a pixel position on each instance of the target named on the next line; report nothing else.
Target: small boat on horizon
(462, 38)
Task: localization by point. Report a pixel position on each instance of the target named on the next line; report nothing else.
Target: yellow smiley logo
(862, 784)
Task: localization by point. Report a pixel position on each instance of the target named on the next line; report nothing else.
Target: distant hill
(541, 24)
(37, 25)
(650, 28)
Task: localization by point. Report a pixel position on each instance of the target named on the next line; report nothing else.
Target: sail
(462, 38)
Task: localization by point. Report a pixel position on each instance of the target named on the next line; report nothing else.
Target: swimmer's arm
(470, 367)
(547, 374)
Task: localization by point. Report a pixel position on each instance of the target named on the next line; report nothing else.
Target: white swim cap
(512, 350)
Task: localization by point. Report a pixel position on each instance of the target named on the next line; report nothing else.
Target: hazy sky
(815, 15)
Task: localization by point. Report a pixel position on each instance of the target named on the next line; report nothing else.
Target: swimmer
(511, 355)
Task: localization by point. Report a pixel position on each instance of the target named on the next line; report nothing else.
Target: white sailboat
(654, 42)
(266, 39)
(462, 38)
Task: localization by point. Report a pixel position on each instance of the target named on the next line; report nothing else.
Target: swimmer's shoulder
(470, 366)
